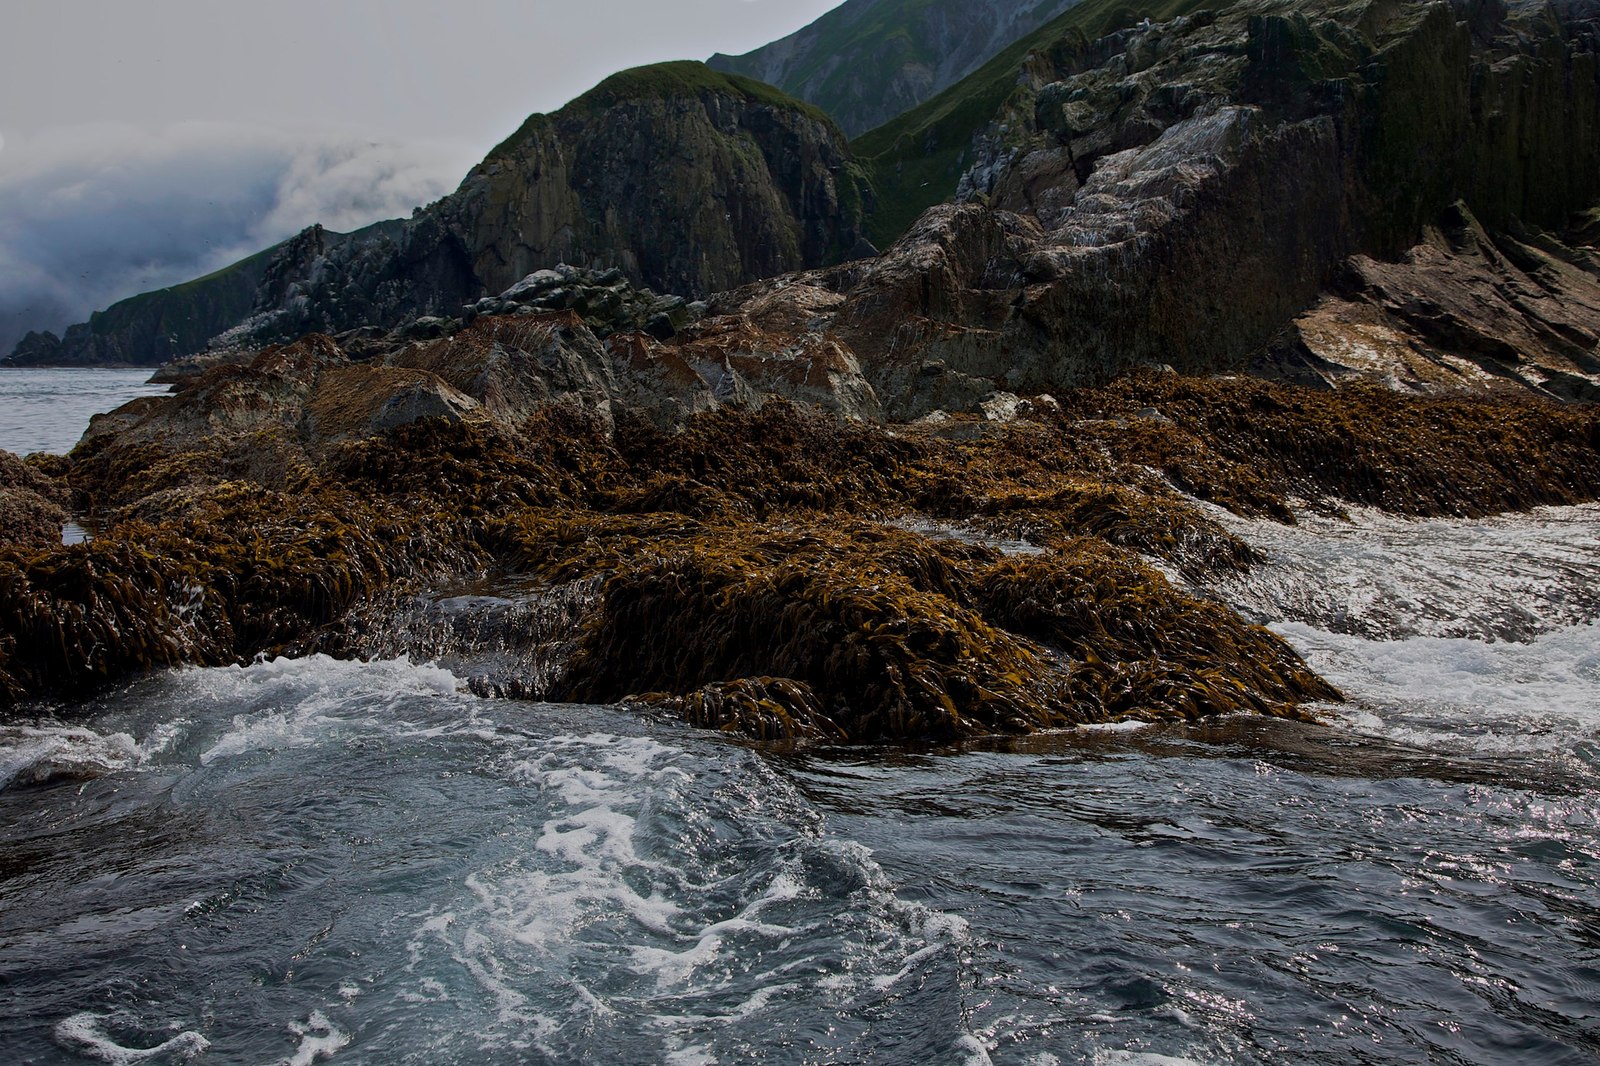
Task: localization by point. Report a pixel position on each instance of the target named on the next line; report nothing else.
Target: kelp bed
(756, 571)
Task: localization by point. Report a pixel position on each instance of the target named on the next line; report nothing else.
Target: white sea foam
(300, 701)
(972, 1051)
(1105, 1057)
(1446, 633)
(84, 1033)
(1127, 726)
(618, 905)
(319, 1039)
(1494, 697)
(1508, 577)
(691, 1056)
(36, 754)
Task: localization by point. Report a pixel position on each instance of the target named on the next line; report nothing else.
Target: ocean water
(314, 860)
(47, 410)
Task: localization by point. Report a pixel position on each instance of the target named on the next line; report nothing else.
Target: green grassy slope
(916, 160)
(678, 78)
(883, 29)
(191, 313)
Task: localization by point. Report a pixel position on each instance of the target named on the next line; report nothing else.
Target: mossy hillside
(882, 26)
(868, 60)
(688, 180)
(916, 160)
(677, 79)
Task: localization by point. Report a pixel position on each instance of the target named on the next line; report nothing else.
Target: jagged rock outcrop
(866, 61)
(1177, 193)
(1181, 193)
(687, 180)
(1462, 309)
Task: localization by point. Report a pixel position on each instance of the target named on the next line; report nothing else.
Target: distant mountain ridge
(1136, 182)
(152, 326)
(867, 61)
(690, 180)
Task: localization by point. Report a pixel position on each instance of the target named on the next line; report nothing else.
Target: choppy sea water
(304, 861)
(47, 409)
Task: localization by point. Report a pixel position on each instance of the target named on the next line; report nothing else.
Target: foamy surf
(706, 911)
(298, 702)
(1510, 577)
(37, 754)
(319, 1039)
(1462, 694)
(85, 1034)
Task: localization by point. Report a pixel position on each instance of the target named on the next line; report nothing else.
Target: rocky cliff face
(867, 61)
(688, 180)
(1320, 190)
(1178, 193)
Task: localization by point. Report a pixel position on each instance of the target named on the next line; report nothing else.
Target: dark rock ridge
(866, 61)
(690, 180)
(687, 180)
(153, 327)
(1179, 194)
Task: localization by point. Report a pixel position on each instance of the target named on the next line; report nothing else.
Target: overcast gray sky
(397, 69)
(143, 142)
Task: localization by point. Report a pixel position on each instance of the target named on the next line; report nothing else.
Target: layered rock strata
(1181, 193)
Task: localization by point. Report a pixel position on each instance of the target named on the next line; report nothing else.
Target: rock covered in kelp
(866, 632)
(773, 570)
(32, 504)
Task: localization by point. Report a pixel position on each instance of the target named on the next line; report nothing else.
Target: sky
(145, 143)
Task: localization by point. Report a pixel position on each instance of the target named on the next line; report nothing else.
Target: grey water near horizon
(47, 409)
(299, 861)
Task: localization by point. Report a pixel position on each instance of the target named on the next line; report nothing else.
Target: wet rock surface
(772, 569)
(32, 504)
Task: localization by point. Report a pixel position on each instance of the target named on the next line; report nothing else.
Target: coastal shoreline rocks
(741, 559)
(712, 506)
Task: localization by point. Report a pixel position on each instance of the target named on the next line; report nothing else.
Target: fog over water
(177, 137)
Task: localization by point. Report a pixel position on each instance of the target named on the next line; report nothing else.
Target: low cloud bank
(92, 215)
